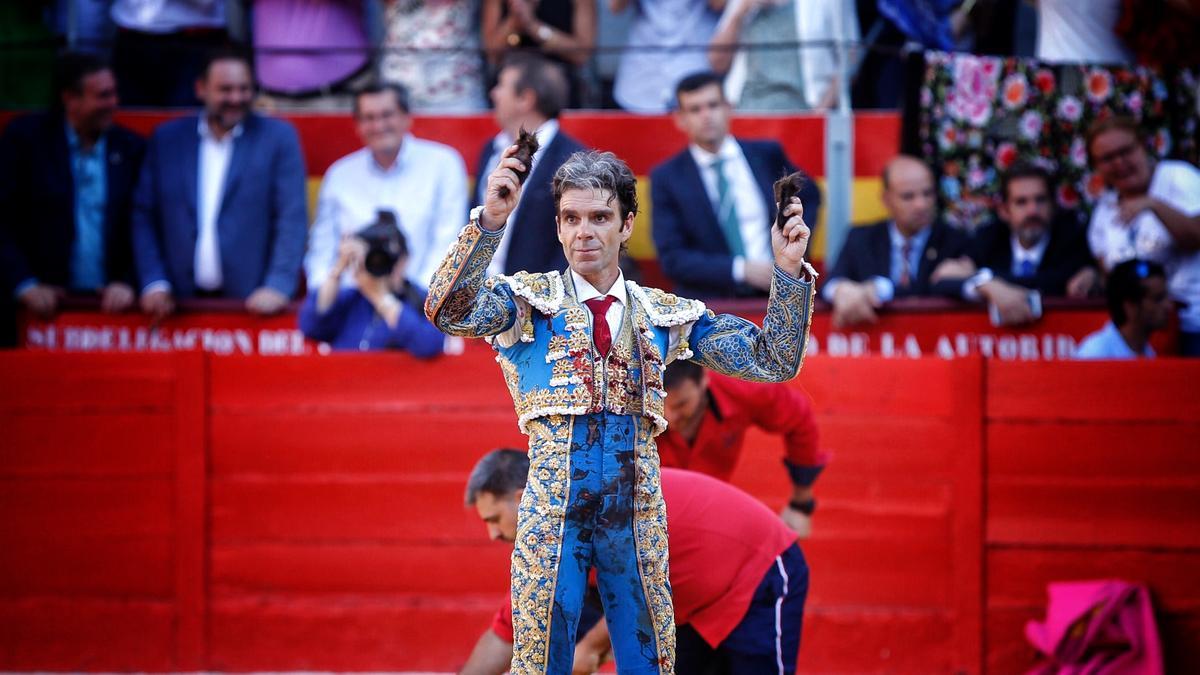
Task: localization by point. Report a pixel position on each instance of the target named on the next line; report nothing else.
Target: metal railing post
(839, 148)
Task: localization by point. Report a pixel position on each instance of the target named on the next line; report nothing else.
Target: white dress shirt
(426, 187)
(747, 199)
(1113, 241)
(545, 135)
(215, 154)
(584, 291)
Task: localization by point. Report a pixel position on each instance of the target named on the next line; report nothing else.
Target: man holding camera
(583, 354)
(422, 182)
(382, 309)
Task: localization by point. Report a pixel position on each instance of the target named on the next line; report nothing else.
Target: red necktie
(601, 335)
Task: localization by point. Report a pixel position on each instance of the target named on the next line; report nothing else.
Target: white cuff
(970, 288)
(885, 290)
(739, 269)
(160, 285)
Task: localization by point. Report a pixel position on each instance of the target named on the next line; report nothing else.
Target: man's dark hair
(697, 81)
(544, 77)
(72, 68)
(397, 90)
(227, 52)
(1022, 169)
(501, 472)
(591, 170)
(1125, 285)
(681, 371)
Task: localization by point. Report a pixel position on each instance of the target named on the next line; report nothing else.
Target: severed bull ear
(527, 144)
(785, 188)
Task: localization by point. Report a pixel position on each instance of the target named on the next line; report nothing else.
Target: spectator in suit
(422, 182)
(1150, 211)
(66, 189)
(720, 246)
(530, 92)
(708, 415)
(220, 208)
(383, 308)
(1030, 247)
(1138, 305)
(895, 258)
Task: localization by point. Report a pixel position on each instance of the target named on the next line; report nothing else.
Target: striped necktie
(906, 263)
(727, 215)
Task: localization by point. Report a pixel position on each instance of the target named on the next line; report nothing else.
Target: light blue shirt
(663, 36)
(90, 174)
(1107, 343)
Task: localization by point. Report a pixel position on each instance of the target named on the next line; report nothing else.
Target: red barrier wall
(182, 511)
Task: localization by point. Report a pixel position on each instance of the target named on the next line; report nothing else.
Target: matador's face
(591, 230)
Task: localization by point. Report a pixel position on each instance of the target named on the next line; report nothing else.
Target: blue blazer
(37, 201)
(262, 222)
(691, 247)
(534, 244)
(868, 253)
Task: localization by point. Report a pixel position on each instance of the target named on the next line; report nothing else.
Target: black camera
(385, 244)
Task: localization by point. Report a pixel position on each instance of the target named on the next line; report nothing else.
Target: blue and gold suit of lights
(593, 498)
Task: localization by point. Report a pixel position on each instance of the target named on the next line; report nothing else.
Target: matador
(583, 353)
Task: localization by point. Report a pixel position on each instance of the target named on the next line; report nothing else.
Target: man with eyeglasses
(423, 183)
(1151, 211)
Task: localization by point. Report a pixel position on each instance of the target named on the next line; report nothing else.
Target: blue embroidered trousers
(599, 529)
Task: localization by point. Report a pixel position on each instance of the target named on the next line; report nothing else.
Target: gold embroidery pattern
(537, 550)
(734, 346)
(650, 538)
(458, 303)
(448, 274)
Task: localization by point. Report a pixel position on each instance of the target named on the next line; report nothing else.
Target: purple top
(336, 25)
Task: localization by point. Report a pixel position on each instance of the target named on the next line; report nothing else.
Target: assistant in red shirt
(708, 415)
(738, 577)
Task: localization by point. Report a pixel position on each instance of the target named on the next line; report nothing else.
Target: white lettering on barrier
(291, 342)
(221, 341)
(1024, 347)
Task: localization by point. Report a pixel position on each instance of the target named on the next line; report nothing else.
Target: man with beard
(1031, 247)
(66, 185)
(220, 208)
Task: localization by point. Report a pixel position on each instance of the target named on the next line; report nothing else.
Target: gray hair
(501, 472)
(592, 170)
